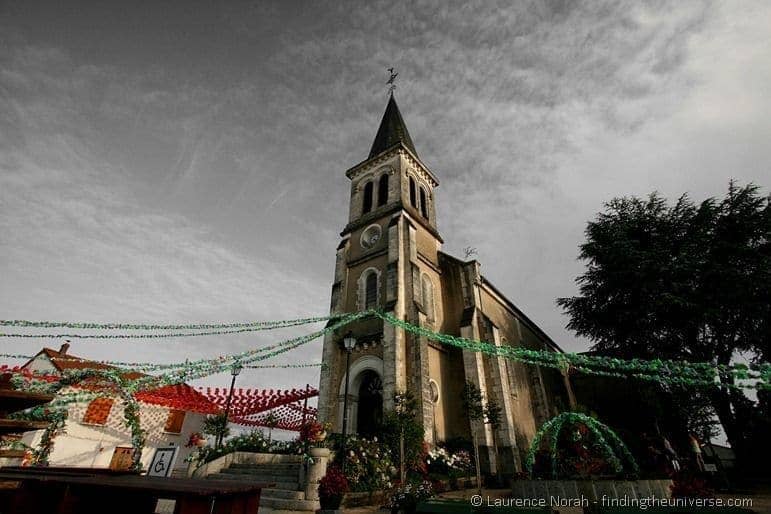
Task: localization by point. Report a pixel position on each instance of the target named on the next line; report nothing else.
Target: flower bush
(407, 496)
(368, 465)
(441, 461)
(332, 487)
(195, 439)
(254, 441)
(686, 485)
(313, 433)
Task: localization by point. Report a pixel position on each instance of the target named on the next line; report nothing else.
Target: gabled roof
(63, 361)
(392, 130)
(178, 396)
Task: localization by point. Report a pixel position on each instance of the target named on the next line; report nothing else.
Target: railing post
(316, 470)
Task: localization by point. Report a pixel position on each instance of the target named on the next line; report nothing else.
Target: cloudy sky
(184, 161)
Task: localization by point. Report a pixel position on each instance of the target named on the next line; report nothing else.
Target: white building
(95, 433)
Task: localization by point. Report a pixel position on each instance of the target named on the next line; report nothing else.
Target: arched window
(413, 194)
(367, 205)
(427, 292)
(382, 190)
(423, 203)
(370, 291)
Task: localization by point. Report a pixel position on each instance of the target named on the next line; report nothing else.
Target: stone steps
(286, 474)
(283, 485)
(284, 504)
(284, 496)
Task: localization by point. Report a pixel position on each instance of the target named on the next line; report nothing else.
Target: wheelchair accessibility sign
(163, 461)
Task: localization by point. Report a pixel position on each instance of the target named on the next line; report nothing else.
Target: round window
(434, 391)
(371, 236)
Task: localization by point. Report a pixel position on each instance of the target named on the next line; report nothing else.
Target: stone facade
(393, 236)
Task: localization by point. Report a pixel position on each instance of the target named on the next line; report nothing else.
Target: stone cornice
(367, 256)
(414, 163)
(394, 208)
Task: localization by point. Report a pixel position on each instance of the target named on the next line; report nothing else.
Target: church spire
(392, 130)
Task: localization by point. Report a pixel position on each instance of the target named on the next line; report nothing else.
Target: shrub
(253, 441)
(368, 464)
(452, 464)
(686, 485)
(407, 496)
(332, 487)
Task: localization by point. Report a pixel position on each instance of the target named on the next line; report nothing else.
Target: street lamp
(235, 370)
(349, 342)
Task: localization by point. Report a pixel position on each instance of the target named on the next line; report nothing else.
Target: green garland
(259, 325)
(269, 325)
(610, 445)
(152, 366)
(57, 419)
(697, 374)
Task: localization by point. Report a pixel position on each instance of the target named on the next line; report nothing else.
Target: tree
(216, 425)
(492, 414)
(402, 432)
(472, 405)
(271, 420)
(685, 281)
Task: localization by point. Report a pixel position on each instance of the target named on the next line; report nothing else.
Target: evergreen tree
(682, 281)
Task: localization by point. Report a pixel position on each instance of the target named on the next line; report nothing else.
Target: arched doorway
(366, 377)
(370, 411)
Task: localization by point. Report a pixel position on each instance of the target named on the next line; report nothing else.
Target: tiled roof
(180, 396)
(68, 362)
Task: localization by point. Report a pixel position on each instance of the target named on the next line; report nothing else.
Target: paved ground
(761, 502)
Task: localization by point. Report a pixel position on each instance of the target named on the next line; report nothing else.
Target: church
(390, 258)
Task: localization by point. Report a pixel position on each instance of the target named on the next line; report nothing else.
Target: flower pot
(330, 502)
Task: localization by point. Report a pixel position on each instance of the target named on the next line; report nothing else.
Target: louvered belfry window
(370, 291)
(367, 205)
(382, 190)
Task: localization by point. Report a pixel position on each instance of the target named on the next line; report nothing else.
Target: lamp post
(349, 342)
(235, 370)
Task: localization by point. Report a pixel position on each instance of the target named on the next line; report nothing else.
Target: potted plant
(332, 487)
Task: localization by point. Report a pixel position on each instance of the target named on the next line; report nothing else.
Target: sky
(183, 161)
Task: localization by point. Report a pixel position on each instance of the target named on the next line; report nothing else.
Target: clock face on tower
(370, 236)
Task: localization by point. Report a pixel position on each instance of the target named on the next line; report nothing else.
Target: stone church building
(391, 258)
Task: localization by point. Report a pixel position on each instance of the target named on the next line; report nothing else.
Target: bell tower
(388, 259)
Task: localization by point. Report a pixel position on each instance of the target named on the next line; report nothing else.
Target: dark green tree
(403, 434)
(682, 281)
(216, 425)
(492, 416)
(472, 405)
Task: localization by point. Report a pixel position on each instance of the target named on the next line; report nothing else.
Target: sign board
(163, 461)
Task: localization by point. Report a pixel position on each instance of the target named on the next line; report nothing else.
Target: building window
(434, 391)
(98, 411)
(413, 199)
(370, 291)
(382, 190)
(427, 293)
(367, 204)
(174, 421)
(423, 203)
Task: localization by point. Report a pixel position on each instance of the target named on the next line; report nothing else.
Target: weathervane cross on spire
(391, 80)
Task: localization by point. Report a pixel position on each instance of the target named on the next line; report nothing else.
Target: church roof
(392, 130)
